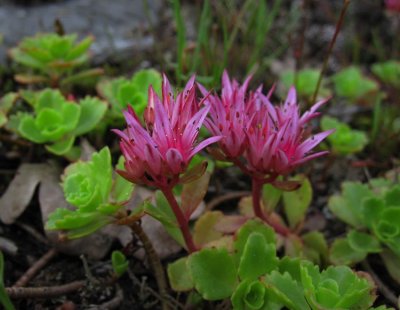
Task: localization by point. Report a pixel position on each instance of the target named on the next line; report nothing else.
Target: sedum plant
(56, 121)
(305, 81)
(94, 193)
(344, 140)
(353, 85)
(52, 59)
(253, 277)
(372, 212)
(388, 72)
(122, 92)
(263, 140)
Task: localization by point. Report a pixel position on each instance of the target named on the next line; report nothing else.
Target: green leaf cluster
(55, 121)
(305, 81)
(253, 277)
(353, 85)
(388, 72)
(344, 140)
(90, 188)
(6, 103)
(373, 212)
(295, 202)
(122, 92)
(51, 55)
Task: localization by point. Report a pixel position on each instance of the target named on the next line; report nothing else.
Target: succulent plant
(56, 121)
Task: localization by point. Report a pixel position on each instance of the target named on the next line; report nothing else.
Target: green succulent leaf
(270, 197)
(305, 80)
(315, 247)
(344, 140)
(252, 295)
(92, 111)
(258, 258)
(352, 84)
(363, 242)
(27, 127)
(214, 273)
(51, 53)
(372, 209)
(163, 213)
(296, 202)
(121, 91)
(87, 185)
(349, 205)
(6, 103)
(119, 263)
(193, 193)
(341, 253)
(336, 288)
(61, 147)
(179, 275)
(122, 189)
(289, 292)
(388, 72)
(392, 263)
(252, 226)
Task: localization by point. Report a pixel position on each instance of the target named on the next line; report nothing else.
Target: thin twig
(154, 260)
(330, 48)
(113, 303)
(171, 301)
(35, 268)
(228, 196)
(32, 231)
(389, 295)
(44, 291)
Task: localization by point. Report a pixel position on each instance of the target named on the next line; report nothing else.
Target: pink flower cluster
(158, 154)
(270, 140)
(263, 139)
(393, 5)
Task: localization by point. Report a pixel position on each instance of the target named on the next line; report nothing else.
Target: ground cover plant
(235, 176)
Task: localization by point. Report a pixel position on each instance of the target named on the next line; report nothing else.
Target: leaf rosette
(122, 92)
(57, 121)
(53, 57)
(90, 188)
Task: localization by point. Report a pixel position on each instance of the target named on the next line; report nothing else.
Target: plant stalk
(183, 222)
(330, 48)
(257, 186)
(154, 260)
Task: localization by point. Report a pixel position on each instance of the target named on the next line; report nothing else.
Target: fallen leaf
(20, 191)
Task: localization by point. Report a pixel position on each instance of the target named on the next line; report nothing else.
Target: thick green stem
(183, 222)
(257, 186)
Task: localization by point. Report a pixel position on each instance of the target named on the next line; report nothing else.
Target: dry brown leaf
(20, 191)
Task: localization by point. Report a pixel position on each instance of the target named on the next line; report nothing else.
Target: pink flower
(262, 139)
(393, 5)
(229, 115)
(157, 155)
(278, 143)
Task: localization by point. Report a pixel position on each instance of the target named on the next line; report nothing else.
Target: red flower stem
(183, 222)
(330, 48)
(257, 186)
